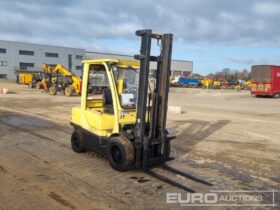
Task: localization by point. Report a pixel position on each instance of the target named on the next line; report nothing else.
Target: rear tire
(77, 141)
(53, 90)
(68, 91)
(276, 95)
(120, 153)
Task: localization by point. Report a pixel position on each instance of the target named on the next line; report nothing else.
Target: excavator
(60, 79)
(122, 118)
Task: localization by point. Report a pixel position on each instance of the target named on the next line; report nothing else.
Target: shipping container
(265, 80)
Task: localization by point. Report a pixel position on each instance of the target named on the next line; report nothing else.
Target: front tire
(68, 91)
(120, 153)
(53, 90)
(77, 142)
(276, 95)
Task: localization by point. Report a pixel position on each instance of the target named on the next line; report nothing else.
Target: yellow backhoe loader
(66, 81)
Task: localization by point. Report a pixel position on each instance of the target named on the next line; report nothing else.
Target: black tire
(120, 153)
(53, 90)
(77, 142)
(276, 95)
(68, 91)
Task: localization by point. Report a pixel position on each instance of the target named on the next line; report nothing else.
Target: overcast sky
(215, 34)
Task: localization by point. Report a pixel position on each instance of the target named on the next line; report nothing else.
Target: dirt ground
(228, 138)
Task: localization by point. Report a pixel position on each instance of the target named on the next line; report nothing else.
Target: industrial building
(178, 67)
(15, 56)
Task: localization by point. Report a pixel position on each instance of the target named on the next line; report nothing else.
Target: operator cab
(99, 91)
(109, 96)
(99, 96)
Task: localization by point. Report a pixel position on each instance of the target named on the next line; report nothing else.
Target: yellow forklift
(120, 118)
(24, 78)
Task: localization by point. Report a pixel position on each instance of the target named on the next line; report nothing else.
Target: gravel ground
(228, 138)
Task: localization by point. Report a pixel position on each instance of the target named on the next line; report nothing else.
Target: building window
(3, 76)
(52, 55)
(26, 52)
(186, 73)
(177, 73)
(3, 63)
(52, 65)
(79, 57)
(3, 50)
(153, 72)
(24, 66)
(79, 67)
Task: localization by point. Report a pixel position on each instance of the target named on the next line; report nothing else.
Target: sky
(214, 34)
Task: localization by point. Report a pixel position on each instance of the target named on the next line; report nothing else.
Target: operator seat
(108, 101)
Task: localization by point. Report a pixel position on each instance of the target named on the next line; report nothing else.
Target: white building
(178, 67)
(27, 56)
(30, 57)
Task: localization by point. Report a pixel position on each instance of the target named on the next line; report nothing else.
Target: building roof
(41, 44)
(130, 56)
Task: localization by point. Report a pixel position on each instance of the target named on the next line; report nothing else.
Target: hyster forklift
(121, 117)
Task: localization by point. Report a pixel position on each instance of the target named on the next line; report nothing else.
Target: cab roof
(118, 62)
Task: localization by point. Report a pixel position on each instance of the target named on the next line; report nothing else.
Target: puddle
(276, 179)
(2, 131)
(26, 122)
(140, 179)
(2, 169)
(133, 177)
(160, 187)
(237, 174)
(61, 200)
(143, 180)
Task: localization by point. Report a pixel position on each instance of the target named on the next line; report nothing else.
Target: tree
(231, 74)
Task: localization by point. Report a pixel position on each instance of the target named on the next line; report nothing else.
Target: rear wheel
(53, 90)
(77, 141)
(68, 91)
(238, 88)
(120, 153)
(276, 95)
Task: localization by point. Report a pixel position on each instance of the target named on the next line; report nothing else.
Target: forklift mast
(152, 131)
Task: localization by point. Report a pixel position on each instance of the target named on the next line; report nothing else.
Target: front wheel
(53, 90)
(68, 91)
(276, 95)
(120, 153)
